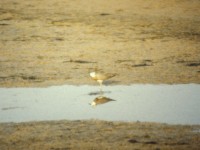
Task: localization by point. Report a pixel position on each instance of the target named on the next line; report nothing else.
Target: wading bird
(100, 77)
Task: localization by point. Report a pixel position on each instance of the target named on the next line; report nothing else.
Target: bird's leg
(101, 89)
(101, 85)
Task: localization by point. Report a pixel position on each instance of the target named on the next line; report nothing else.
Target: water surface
(174, 104)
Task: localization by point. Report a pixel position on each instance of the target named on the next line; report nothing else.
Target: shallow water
(174, 104)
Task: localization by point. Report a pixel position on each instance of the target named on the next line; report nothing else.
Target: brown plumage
(101, 100)
(100, 77)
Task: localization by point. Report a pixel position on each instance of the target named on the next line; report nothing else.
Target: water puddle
(174, 104)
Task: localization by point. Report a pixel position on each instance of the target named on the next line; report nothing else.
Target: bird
(100, 77)
(101, 100)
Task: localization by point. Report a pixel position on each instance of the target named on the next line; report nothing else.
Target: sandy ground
(55, 42)
(100, 135)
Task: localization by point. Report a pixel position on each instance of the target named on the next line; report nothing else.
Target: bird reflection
(101, 100)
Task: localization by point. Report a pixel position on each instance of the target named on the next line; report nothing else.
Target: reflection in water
(101, 100)
(174, 104)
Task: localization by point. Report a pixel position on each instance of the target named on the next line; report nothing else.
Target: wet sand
(44, 43)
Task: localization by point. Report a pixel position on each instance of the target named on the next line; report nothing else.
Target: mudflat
(44, 43)
(96, 134)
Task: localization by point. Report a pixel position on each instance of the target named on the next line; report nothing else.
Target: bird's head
(92, 74)
(93, 104)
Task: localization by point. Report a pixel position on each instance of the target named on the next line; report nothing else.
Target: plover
(100, 77)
